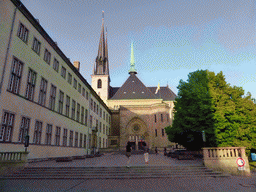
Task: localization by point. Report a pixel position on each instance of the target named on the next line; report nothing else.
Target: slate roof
(164, 93)
(133, 88)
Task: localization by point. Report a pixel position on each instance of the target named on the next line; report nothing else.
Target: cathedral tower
(100, 76)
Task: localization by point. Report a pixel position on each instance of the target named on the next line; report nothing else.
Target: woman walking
(128, 153)
(146, 155)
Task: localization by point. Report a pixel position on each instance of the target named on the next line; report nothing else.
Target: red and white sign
(240, 162)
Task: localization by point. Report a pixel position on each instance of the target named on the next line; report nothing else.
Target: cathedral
(139, 113)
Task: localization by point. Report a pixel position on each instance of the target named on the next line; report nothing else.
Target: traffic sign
(240, 162)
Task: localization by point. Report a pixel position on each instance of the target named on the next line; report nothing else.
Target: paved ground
(172, 184)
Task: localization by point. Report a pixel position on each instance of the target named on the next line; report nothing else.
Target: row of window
(162, 118)
(23, 34)
(95, 108)
(73, 139)
(78, 112)
(162, 132)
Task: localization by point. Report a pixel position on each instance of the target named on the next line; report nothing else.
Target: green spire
(132, 69)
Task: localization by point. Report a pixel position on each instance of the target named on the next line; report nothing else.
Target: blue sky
(171, 38)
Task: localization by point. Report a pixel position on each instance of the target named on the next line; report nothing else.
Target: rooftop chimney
(77, 65)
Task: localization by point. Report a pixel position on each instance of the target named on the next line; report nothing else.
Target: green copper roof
(132, 69)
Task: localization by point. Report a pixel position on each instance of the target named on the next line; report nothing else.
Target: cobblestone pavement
(116, 160)
(233, 183)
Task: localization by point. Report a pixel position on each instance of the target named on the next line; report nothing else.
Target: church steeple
(100, 76)
(132, 69)
(101, 62)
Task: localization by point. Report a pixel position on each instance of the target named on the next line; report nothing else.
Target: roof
(164, 93)
(133, 88)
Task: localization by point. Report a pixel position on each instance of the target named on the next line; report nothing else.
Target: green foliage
(206, 102)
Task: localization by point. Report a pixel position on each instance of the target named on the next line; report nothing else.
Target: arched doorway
(137, 133)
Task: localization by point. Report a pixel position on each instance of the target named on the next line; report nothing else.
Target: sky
(171, 38)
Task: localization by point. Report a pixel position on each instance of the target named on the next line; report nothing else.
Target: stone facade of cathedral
(139, 113)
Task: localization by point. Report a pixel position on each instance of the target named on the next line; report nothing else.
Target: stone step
(112, 173)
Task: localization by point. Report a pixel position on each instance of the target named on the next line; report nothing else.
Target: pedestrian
(146, 155)
(156, 150)
(165, 151)
(128, 153)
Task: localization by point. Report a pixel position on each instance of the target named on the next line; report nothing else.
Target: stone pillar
(136, 143)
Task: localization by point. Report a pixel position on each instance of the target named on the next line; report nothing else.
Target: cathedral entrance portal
(137, 142)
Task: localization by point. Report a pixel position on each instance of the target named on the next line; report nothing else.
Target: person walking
(146, 155)
(128, 153)
(165, 151)
(156, 150)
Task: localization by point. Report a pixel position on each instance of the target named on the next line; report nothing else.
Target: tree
(207, 103)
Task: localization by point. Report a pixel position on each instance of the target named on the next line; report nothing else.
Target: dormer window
(99, 84)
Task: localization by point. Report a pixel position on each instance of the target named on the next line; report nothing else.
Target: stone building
(139, 113)
(42, 94)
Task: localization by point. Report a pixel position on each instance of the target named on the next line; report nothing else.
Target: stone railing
(227, 159)
(13, 156)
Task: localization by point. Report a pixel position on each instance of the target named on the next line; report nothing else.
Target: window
(103, 115)
(97, 109)
(107, 117)
(36, 46)
(100, 127)
(81, 140)
(67, 105)
(79, 87)
(52, 97)
(90, 121)
(61, 100)
(31, 83)
(99, 84)
(57, 136)
(76, 139)
(86, 116)
(63, 72)
(100, 142)
(100, 112)
(71, 139)
(7, 127)
(73, 109)
(47, 56)
(103, 142)
(82, 115)
(69, 78)
(162, 118)
(83, 92)
(65, 136)
(84, 141)
(56, 65)
(162, 132)
(87, 95)
(75, 83)
(42, 92)
(94, 107)
(78, 112)
(15, 77)
(156, 132)
(37, 133)
(155, 119)
(103, 128)
(91, 104)
(23, 33)
(24, 129)
(48, 138)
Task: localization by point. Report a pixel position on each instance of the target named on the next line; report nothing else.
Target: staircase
(141, 172)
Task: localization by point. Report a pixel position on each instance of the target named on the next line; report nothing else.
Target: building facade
(42, 94)
(139, 114)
